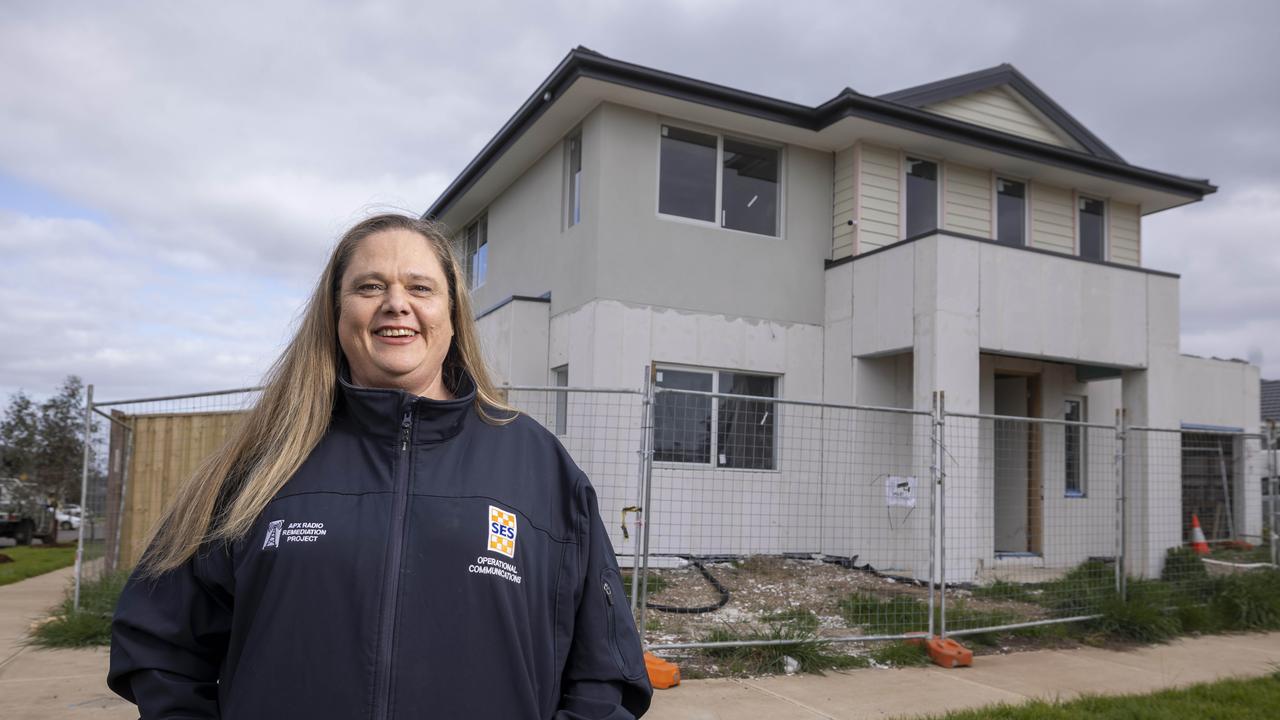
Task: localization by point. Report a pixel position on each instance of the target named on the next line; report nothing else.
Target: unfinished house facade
(966, 236)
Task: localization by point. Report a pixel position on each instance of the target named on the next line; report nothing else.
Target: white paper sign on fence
(900, 491)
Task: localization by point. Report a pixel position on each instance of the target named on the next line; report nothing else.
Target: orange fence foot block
(948, 653)
(662, 674)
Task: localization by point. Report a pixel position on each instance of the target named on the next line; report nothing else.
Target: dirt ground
(762, 587)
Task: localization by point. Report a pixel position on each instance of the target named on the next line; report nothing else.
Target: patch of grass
(653, 584)
(879, 616)
(1247, 601)
(92, 624)
(901, 654)
(798, 625)
(1255, 699)
(1143, 617)
(33, 560)
(1082, 591)
(1182, 567)
(1004, 590)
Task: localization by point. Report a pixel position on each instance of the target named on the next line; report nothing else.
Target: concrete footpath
(38, 684)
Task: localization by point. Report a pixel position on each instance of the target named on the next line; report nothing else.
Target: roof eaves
(582, 62)
(892, 113)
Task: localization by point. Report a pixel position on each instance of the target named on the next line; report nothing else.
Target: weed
(1248, 601)
(653, 584)
(876, 616)
(901, 654)
(1144, 617)
(91, 625)
(1004, 590)
(814, 657)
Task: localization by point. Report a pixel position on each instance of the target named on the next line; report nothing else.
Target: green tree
(19, 437)
(45, 444)
(61, 446)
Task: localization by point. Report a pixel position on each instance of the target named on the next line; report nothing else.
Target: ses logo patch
(502, 532)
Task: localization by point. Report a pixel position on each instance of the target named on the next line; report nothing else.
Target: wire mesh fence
(140, 451)
(777, 521)
(1032, 520)
(1196, 505)
(747, 519)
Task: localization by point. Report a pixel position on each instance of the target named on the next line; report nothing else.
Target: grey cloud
(233, 142)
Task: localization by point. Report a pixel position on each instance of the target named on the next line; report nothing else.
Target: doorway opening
(1017, 466)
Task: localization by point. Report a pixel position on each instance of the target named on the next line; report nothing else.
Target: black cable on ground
(724, 594)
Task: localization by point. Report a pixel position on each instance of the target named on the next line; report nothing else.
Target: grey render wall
(650, 260)
(530, 250)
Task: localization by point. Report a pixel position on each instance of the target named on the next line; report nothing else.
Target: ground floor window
(1075, 450)
(727, 432)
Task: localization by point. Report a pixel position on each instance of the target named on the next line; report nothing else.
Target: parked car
(23, 515)
(68, 517)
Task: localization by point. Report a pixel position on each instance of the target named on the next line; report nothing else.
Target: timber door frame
(1035, 456)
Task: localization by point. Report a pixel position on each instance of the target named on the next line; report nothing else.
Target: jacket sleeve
(169, 636)
(604, 676)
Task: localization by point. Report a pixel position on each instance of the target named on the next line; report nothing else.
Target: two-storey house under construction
(967, 236)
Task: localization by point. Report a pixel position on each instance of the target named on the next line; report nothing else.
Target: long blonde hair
(224, 497)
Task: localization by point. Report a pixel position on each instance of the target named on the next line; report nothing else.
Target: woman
(383, 537)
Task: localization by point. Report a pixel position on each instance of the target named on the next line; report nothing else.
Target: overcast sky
(172, 174)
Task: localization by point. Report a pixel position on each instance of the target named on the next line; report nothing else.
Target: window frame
(561, 419)
(939, 201)
(712, 462)
(720, 135)
(481, 223)
(1106, 221)
(1081, 490)
(996, 177)
(572, 201)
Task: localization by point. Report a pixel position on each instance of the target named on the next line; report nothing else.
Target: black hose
(724, 594)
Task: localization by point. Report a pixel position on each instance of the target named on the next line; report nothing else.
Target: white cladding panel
(1218, 392)
(967, 198)
(844, 197)
(879, 180)
(1053, 225)
(1124, 233)
(1028, 304)
(1000, 109)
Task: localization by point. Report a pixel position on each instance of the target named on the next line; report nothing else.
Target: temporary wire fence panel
(1031, 519)
(814, 519)
(602, 430)
(1189, 485)
(159, 444)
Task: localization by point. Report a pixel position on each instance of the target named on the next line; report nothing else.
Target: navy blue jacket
(421, 564)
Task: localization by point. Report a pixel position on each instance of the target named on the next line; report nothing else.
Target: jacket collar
(381, 412)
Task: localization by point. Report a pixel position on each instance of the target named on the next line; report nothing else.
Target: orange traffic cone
(1198, 542)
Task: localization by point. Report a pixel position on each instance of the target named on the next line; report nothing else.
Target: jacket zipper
(390, 597)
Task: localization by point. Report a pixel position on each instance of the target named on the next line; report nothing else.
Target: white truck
(23, 515)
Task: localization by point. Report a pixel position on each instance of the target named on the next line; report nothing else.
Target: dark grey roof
(1003, 74)
(1270, 400)
(584, 63)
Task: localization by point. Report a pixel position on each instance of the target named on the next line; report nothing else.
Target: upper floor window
(699, 173)
(573, 184)
(725, 432)
(475, 251)
(1011, 212)
(921, 196)
(1092, 224)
